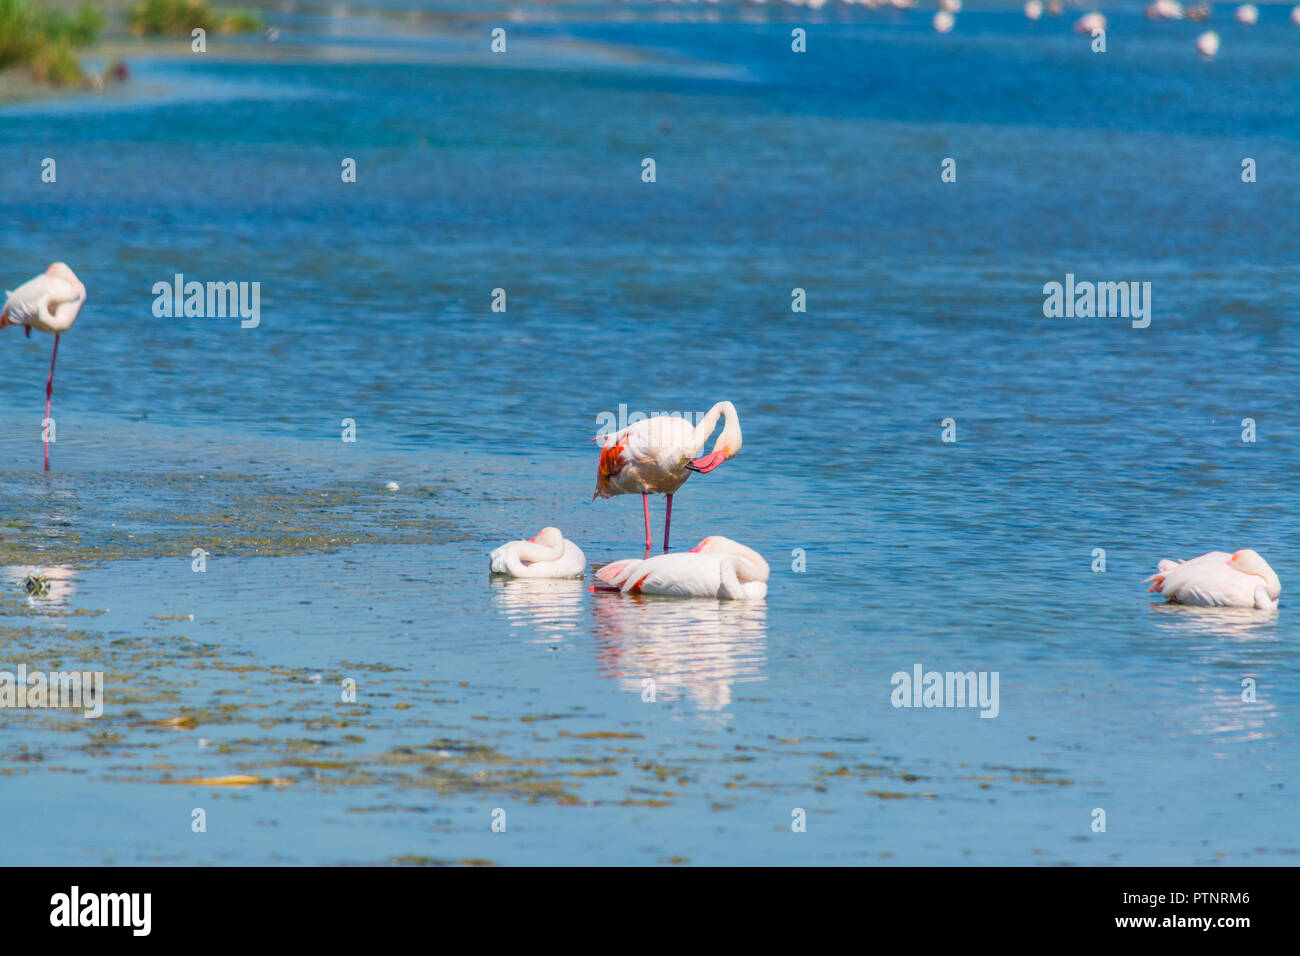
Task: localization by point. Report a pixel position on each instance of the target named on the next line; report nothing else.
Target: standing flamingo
(50, 302)
(656, 455)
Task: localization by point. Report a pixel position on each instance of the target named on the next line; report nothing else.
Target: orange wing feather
(611, 463)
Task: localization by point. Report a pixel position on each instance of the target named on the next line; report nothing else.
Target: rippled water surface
(775, 171)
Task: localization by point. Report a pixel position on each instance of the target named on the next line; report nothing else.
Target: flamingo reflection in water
(695, 649)
(1238, 641)
(1230, 623)
(548, 607)
(50, 585)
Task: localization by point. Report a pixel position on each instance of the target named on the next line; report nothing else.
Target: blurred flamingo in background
(656, 455)
(50, 303)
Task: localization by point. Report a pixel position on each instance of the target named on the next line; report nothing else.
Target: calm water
(774, 171)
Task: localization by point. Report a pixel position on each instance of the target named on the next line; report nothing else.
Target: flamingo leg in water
(668, 520)
(49, 391)
(645, 506)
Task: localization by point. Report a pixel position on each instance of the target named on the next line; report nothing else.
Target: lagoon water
(774, 171)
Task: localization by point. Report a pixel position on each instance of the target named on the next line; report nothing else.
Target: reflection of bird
(548, 554)
(656, 455)
(546, 606)
(1219, 579)
(1225, 622)
(59, 581)
(717, 567)
(50, 303)
(694, 649)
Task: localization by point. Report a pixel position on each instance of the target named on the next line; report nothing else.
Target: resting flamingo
(656, 455)
(1219, 579)
(50, 302)
(717, 567)
(547, 554)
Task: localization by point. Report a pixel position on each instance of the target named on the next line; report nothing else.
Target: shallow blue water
(774, 171)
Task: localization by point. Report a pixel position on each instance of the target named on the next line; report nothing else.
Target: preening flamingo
(656, 455)
(1219, 579)
(50, 303)
(717, 567)
(547, 554)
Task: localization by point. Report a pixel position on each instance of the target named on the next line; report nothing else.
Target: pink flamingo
(717, 567)
(656, 455)
(1219, 579)
(50, 302)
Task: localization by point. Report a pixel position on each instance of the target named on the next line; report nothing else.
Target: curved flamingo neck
(705, 428)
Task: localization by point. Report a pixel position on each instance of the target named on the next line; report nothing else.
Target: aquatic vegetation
(46, 40)
(182, 17)
(36, 585)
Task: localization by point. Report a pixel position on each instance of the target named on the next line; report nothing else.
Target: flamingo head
(60, 270)
(548, 537)
(726, 447)
(1249, 562)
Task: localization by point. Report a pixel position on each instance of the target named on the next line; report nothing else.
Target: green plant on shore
(46, 39)
(182, 17)
(241, 21)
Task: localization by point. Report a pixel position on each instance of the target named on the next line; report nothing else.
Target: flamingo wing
(616, 572)
(648, 456)
(1208, 581)
(682, 575)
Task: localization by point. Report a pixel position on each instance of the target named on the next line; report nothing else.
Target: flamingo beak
(707, 463)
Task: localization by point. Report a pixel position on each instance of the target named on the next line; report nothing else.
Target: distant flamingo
(657, 455)
(717, 567)
(50, 302)
(1219, 579)
(1090, 22)
(548, 554)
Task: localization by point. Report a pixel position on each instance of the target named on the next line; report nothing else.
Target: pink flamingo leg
(645, 506)
(668, 520)
(49, 391)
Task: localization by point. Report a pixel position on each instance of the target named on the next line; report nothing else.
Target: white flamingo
(656, 455)
(50, 303)
(1219, 579)
(717, 567)
(547, 554)
(1090, 22)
